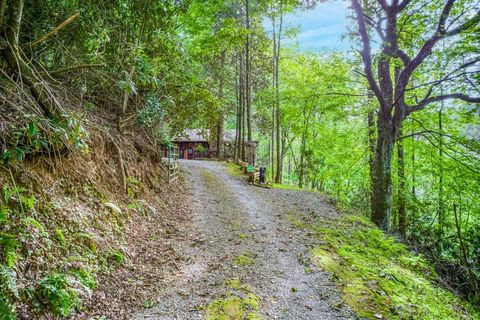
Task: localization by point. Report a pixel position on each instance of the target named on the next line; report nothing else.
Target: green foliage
(134, 187)
(60, 237)
(117, 257)
(86, 278)
(9, 243)
(7, 309)
(380, 276)
(87, 240)
(58, 293)
(4, 214)
(36, 135)
(8, 292)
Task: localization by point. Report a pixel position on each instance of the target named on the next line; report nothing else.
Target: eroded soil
(241, 234)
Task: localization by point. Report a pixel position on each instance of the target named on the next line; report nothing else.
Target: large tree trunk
(402, 212)
(382, 179)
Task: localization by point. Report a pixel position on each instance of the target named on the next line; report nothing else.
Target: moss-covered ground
(239, 303)
(380, 277)
(234, 169)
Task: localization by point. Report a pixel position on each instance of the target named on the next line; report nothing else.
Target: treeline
(390, 129)
(395, 133)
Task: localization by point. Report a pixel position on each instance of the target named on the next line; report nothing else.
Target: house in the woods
(198, 144)
(193, 144)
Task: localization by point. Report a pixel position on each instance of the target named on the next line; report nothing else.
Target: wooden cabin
(195, 144)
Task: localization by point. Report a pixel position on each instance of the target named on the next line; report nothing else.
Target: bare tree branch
(403, 5)
(428, 100)
(77, 67)
(53, 32)
(366, 53)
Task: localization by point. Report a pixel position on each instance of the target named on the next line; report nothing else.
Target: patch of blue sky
(320, 28)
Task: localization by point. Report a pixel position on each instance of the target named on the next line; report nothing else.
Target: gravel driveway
(242, 232)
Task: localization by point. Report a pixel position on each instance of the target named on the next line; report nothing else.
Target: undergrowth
(36, 135)
(30, 233)
(380, 278)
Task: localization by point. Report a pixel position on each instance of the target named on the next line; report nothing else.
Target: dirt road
(242, 245)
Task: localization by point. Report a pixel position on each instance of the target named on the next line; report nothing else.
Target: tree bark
(274, 63)
(247, 82)
(371, 146)
(382, 179)
(402, 212)
(278, 177)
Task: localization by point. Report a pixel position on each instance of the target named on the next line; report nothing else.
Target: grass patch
(244, 259)
(380, 277)
(234, 169)
(287, 187)
(242, 236)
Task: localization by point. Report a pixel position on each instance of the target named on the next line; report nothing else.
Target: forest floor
(243, 257)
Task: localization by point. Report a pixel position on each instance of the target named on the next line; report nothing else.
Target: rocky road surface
(242, 232)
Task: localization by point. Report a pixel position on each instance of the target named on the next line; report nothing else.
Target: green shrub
(117, 257)
(4, 215)
(60, 237)
(86, 278)
(56, 291)
(9, 244)
(8, 292)
(7, 308)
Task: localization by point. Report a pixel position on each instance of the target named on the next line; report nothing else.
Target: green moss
(243, 236)
(234, 307)
(286, 187)
(234, 169)
(244, 259)
(379, 276)
(237, 285)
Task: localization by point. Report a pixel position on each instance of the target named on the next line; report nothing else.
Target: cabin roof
(202, 135)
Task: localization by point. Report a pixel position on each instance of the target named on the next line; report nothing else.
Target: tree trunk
(247, 82)
(274, 101)
(278, 177)
(441, 202)
(402, 218)
(382, 179)
(220, 143)
(242, 109)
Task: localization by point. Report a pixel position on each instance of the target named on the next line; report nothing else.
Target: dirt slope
(245, 259)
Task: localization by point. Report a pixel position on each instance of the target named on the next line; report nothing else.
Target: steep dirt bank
(74, 242)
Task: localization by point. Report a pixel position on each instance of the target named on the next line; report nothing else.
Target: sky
(321, 28)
